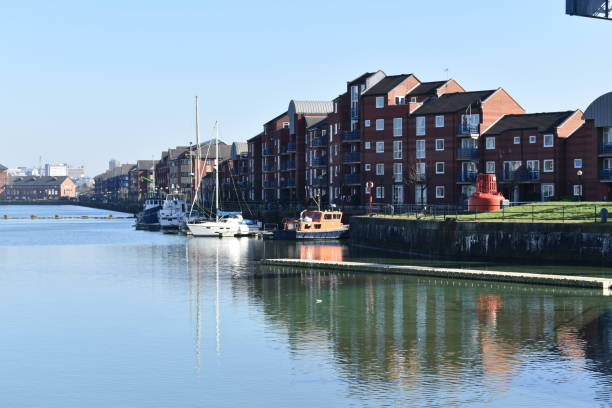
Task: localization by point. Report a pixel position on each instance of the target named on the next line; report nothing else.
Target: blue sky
(84, 81)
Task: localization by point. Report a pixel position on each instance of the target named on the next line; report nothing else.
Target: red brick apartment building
(443, 143)
(141, 179)
(255, 168)
(594, 141)
(275, 131)
(317, 160)
(3, 179)
(528, 153)
(40, 188)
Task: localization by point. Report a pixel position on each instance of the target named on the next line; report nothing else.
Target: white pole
(217, 171)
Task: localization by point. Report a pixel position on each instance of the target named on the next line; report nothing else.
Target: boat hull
(314, 235)
(217, 229)
(148, 219)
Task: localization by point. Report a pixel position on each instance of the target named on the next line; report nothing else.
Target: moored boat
(314, 225)
(173, 212)
(148, 218)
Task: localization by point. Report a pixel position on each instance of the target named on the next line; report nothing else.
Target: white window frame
(380, 124)
(438, 169)
(398, 171)
(400, 100)
(551, 162)
(367, 167)
(550, 138)
(490, 167)
(397, 149)
(420, 153)
(440, 191)
(380, 192)
(380, 169)
(490, 143)
(437, 148)
(577, 163)
(517, 140)
(577, 190)
(367, 145)
(533, 139)
(421, 168)
(380, 147)
(380, 102)
(440, 121)
(545, 186)
(420, 125)
(397, 127)
(366, 123)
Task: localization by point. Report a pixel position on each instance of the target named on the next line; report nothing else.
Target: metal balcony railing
(467, 129)
(269, 168)
(244, 169)
(354, 112)
(288, 165)
(467, 176)
(268, 151)
(351, 157)
(467, 153)
(269, 184)
(320, 141)
(321, 161)
(290, 148)
(521, 175)
(352, 178)
(605, 174)
(287, 183)
(319, 181)
(351, 136)
(605, 148)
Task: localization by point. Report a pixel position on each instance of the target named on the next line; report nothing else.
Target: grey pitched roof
(386, 84)
(310, 107)
(239, 148)
(146, 164)
(314, 120)
(38, 181)
(362, 77)
(542, 122)
(600, 111)
(426, 88)
(2, 168)
(453, 102)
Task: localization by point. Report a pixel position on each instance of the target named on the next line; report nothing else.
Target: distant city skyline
(85, 83)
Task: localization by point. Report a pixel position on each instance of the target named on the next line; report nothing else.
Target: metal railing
(269, 184)
(351, 136)
(605, 148)
(605, 174)
(290, 148)
(521, 175)
(287, 183)
(351, 157)
(320, 141)
(269, 168)
(268, 151)
(288, 165)
(466, 129)
(467, 176)
(319, 181)
(353, 178)
(466, 153)
(321, 161)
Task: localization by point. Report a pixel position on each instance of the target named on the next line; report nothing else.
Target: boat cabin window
(317, 226)
(315, 216)
(328, 216)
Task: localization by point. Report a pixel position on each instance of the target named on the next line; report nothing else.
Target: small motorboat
(148, 218)
(314, 225)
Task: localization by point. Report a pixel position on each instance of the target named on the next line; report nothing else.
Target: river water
(95, 314)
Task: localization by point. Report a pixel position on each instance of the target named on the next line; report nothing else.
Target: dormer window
(400, 100)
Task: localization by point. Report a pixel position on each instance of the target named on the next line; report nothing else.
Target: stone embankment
(581, 243)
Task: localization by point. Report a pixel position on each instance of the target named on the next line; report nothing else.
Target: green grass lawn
(551, 211)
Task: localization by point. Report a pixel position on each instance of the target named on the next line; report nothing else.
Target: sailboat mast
(217, 171)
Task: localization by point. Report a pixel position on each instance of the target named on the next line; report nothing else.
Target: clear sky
(85, 81)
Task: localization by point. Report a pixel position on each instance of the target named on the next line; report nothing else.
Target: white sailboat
(224, 224)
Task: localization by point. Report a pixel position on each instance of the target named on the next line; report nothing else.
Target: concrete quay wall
(533, 242)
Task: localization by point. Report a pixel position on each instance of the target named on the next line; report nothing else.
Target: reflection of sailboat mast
(217, 306)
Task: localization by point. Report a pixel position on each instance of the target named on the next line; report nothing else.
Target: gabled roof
(38, 181)
(362, 77)
(600, 111)
(2, 168)
(310, 107)
(426, 88)
(453, 102)
(386, 84)
(314, 120)
(542, 122)
(146, 164)
(239, 148)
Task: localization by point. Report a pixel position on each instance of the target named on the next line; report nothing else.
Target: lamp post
(579, 174)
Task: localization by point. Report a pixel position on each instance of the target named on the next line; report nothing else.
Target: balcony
(287, 183)
(605, 175)
(244, 185)
(521, 176)
(466, 176)
(351, 157)
(355, 112)
(352, 178)
(319, 162)
(288, 165)
(268, 151)
(269, 184)
(234, 171)
(319, 181)
(605, 149)
(468, 153)
(467, 129)
(320, 142)
(351, 136)
(269, 168)
(244, 170)
(290, 148)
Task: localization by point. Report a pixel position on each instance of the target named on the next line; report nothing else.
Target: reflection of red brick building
(3, 176)
(40, 188)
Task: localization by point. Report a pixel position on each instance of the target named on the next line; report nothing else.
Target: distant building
(40, 188)
(114, 184)
(75, 172)
(113, 163)
(3, 178)
(56, 170)
(142, 179)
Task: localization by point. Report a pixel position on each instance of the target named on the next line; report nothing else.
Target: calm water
(96, 314)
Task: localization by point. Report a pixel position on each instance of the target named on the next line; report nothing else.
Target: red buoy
(486, 197)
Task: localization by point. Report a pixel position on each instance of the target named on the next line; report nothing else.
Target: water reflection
(442, 341)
